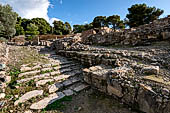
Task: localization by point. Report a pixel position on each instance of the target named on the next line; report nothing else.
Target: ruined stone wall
(121, 83)
(142, 35)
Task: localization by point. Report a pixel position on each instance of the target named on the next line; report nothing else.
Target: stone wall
(137, 76)
(139, 93)
(142, 35)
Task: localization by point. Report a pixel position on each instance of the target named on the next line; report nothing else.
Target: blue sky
(82, 11)
(78, 11)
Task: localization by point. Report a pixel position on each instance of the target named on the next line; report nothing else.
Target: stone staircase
(51, 82)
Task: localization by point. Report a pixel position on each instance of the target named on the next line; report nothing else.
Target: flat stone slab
(61, 77)
(29, 73)
(42, 82)
(47, 69)
(80, 87)
(28, 96)
(67, 83)
(23, 69)
(46, 65)
(55, 87)
(2, 95)
(46, 101)
(68, 92)
(47, 75)
(54, 73)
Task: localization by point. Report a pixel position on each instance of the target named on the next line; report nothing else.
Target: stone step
(46, 101)
(26, 68)
(59, 69)
(59, 85)
(41, 76)
(51, 76)
(28, 96)
(57, 96)
(29, 73)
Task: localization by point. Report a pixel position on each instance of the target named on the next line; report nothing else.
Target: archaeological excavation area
(97, 71)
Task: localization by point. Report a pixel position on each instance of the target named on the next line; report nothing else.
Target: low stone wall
(142, 35)
(137, 92)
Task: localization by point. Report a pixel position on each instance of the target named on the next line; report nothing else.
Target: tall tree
(140, 14)
(67, 28)
(61, 28)
(32, 31)
(18, 27)
(115, 22)
(99, 21)
(78, 28)
(42, 24)
(58, 27)
(8, 19)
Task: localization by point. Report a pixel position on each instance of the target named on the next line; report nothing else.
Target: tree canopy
(99, 21)
(32, 30)
(8, 19)
(61, 28)
(140, 14)
(115, 22)
(42, 24)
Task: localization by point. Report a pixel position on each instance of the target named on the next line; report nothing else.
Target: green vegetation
(8, 20)
(32, 31)
(61, 28)
(10, 24)
(58, 105)
(140, 14)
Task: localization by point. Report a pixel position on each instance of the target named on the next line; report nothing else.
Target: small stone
(68, 92)
(28, 111)
(55, 87)
(81, 87)
(16, 96)
(150, 70)
(2, 95)
(11, 111)
(2, 66)
(2, 103)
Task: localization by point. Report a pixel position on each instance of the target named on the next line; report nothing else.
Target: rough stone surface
(46, 101)
(28, 96)
(68, 92)
(53, 88)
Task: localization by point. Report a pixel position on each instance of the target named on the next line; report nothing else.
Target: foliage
(42, 24)
(140, 14)
(18, 27)
(99, 21)
(32, 30)
(58, 104)
(8, 20)
(81, 28)
(78, 28)
(115, 22)
(61, 28)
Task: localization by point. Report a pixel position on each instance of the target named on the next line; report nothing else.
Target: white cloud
(52, 20)
(86, 22)
(30, 8)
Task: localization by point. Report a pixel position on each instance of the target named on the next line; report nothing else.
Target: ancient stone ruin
(138, 76)
(131, 66)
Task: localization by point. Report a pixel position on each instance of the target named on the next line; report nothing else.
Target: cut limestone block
(28, 96)
(46, 101)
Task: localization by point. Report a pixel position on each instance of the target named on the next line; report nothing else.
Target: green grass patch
(47, 71)
(58, 105)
